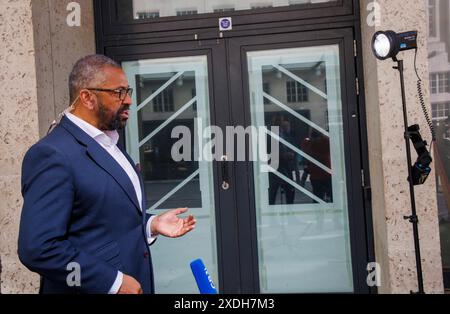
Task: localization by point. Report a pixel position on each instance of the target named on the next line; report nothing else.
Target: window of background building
(440, 83)
(441, 111)
(432, 18)
(433, 83)
(296, 92)
(219, 10)
(439, 66)
(186, 12)
(164, 101)
(147, 15)
(261, 6)
(144, 9)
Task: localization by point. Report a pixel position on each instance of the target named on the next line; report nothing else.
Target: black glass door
(181, 98)
(300, 217)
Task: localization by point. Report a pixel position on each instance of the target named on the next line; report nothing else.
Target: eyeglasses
(122, 92)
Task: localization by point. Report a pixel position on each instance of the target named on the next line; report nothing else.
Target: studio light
(387, 44)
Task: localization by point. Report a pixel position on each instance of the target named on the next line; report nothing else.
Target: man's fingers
(130, 286)
(186, 230)
(179, 211)
(190, 221)
(188, 226)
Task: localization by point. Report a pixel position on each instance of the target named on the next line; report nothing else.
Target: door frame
(116, 42)
(237, 49)
(225, 209)
(173, 27)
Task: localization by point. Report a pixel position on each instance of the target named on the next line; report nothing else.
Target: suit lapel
(100, 156)
(104, 160)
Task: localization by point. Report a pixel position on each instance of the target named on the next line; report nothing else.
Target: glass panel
(172, 94)
(301, 206)
(143, 9)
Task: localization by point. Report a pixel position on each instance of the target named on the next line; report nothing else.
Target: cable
(422, 102)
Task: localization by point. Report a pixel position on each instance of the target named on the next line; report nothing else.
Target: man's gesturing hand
(130, 286)
(170, 225)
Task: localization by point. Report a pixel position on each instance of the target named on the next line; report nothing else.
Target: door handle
(225, 173)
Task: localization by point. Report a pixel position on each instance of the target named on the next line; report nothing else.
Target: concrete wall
(18, 130)
(37, 52)
(58, 47)
(387, 155)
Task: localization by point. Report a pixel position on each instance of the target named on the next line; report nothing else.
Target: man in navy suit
(84, 204)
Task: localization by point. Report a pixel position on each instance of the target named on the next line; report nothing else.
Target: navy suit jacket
(80, 206)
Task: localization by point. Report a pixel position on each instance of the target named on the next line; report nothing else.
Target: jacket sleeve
(48, 192)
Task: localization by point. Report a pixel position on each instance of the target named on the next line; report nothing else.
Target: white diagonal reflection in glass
(168, 121)
(299, 151)
(294, 184)
(295, 114)
(173, 191)
(300, 80)
(158, 91)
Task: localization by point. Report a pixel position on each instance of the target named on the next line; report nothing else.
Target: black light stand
(413, 219)
(385, 45)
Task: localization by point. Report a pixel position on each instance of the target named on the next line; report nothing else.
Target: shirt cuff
(150, 237)
(117, 284)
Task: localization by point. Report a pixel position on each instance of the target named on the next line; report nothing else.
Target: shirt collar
(107, 138)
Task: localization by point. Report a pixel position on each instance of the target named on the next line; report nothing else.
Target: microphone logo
(209, 279)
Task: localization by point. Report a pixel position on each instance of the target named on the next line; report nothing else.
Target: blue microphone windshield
(201, 275)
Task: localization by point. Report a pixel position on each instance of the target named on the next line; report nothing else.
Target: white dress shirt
(108, 140)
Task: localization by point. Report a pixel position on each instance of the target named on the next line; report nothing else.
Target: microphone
(201, 275)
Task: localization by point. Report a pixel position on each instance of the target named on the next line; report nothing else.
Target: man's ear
(88, 99)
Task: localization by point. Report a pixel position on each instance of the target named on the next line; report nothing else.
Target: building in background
(439, 65)
(154, 9)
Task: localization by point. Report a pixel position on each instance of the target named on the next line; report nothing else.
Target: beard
(111, 121)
